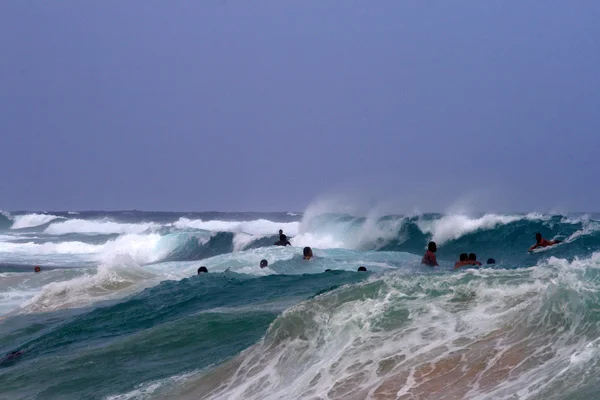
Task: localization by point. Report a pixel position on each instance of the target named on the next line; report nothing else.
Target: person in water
(491, 261)
(473, 258)
(283, 241)
(264, 263)
(429, 257)
(541, 242)
(362, 269)
(307, 253)
(202, 270)
(37, 269)
(464, 260)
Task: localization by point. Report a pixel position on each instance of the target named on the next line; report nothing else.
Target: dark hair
(464, 257)
(307, 251)
(263, 263)
(472, 257)
(201, 270)
(432, 247)
(362, 269)
(491, 261)
(281, 231)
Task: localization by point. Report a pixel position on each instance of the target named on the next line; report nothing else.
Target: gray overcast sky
(263, 105)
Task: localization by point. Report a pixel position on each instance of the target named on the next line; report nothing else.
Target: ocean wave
(98, 227)
(32, 220)
(256, 228)
(119, 278)
(491, 333)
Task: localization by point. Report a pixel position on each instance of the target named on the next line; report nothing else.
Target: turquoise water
(118, 311)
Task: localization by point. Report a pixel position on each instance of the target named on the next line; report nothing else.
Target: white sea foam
(118, 278)
(485, 334)
(97, 227)
(452, 227)
(32, 220)
(256, 227)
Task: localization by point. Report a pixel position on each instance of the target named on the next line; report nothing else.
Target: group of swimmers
(307, 254)
(471, 259)
(428, 259)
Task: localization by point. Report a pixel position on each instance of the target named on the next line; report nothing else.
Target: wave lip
(32, 220)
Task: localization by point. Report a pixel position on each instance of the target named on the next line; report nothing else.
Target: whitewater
(119, 312)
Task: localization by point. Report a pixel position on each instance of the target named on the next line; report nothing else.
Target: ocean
(118, 310)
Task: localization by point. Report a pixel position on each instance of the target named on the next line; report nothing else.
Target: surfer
(307, 253)
(541, 242)
(283, 241)
(362, 269)
(429, 257)
(37, 269)
(263, 263)
(202, 270)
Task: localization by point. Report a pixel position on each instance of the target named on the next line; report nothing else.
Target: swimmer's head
(362, 269)
(472, 257)
(432, 247)
(264, 263)
(538, 237)
(202, 270)
(37, 268)
(491, 261)
(307, 253)
(464, 257)
(281, 232)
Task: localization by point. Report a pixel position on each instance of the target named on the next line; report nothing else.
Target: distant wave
(97, 227)
(32, 220)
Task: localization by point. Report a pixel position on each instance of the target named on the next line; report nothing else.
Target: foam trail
(32, 220)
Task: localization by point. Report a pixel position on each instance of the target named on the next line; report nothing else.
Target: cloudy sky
(269, 105)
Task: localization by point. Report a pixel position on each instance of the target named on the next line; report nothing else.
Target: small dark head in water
(491, 261)
(307, 253)
(202, 270)
(264, 263)
(362, 269)
(37, 268)
(464, 257)
(432, 247)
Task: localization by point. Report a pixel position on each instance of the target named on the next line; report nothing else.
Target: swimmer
(264, 263)
(202, 270)
(362, 269)
(37, 269)
(282, 241)
(429, 257)
(473, 259)
(463, 260)
(491, 261)
(307, 253)
(541, 242)
(280, 232)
